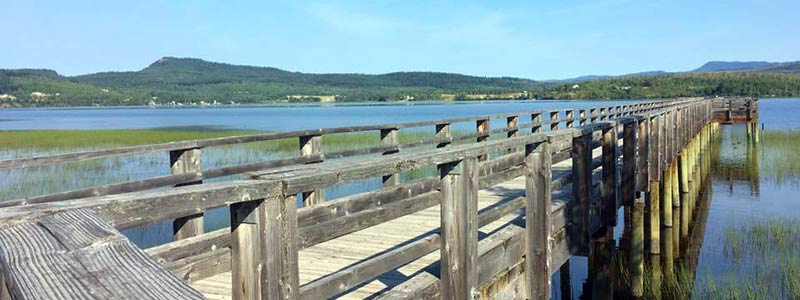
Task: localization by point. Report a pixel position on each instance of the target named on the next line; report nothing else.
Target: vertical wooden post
(609, 191)
(582, 115)
(593, 114)
(459, 213)
(685, 192)
(390, 137)
(637, 249)
(582, 213)
(654, 172)
(312, 145)
(443, 133)
(603, 114)
(245, 254)
(482, 128)
(643, 153)
(536, 122)
(512, 123)
(538, 177)
(628, 188)
(570, 115)
(676, 208)
(666, 202)
(181, 162)
(554, 120)
(280, 277)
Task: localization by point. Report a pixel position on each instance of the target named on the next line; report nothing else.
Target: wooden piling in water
(637, 248)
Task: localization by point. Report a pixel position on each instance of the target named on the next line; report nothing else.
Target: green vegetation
(187, 81)
(53, 140)
(780, 158)
(682, 85)
(765, 260)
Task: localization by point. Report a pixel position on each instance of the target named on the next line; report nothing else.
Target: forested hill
(188, 81)
(756, 84)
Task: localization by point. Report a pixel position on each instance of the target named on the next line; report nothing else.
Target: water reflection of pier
(739, 163)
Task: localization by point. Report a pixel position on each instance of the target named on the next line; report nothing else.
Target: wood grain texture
(76, 255)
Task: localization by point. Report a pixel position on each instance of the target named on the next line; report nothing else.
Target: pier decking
(498, 219)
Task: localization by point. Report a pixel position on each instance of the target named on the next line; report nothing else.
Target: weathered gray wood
(512, 123)
(637, 249)
(181, 162)
(352, 276)
(390, 137)
(134, 209)
(443, 132)
(4, 295)
(189, 247)
(582, 212)
(554, 120)
(538, 177)
(609, 191)
(280, 277)
(245, 254)
(643, 153)
(536, 122)
(311, 145)
(76, 255)
(583, 117)
(200, 266)
(323, 231)
(629, 163)
(482, 127)
(570, 117)
(459, 249)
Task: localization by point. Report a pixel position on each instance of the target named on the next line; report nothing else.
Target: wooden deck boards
(331, 256)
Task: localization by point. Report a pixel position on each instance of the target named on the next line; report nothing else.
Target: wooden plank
(181, 162)
(459, 249)
(343, 280)
(245, 254)
(279, 251)
(538, 177)
(76, 255)
(130, 210)
(390, 137)
(311, 145)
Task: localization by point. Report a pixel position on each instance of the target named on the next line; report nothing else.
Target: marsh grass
(765, 260)
(34, 181)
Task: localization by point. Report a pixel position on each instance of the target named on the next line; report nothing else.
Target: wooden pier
(504, 210)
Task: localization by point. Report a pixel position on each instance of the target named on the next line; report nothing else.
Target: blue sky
(531, 39)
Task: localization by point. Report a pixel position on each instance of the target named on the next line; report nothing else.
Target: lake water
(765, 184)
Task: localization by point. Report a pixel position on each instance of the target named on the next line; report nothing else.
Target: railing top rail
(202, 143)
(142, 207)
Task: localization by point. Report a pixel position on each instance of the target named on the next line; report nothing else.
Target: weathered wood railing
(268, 229)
